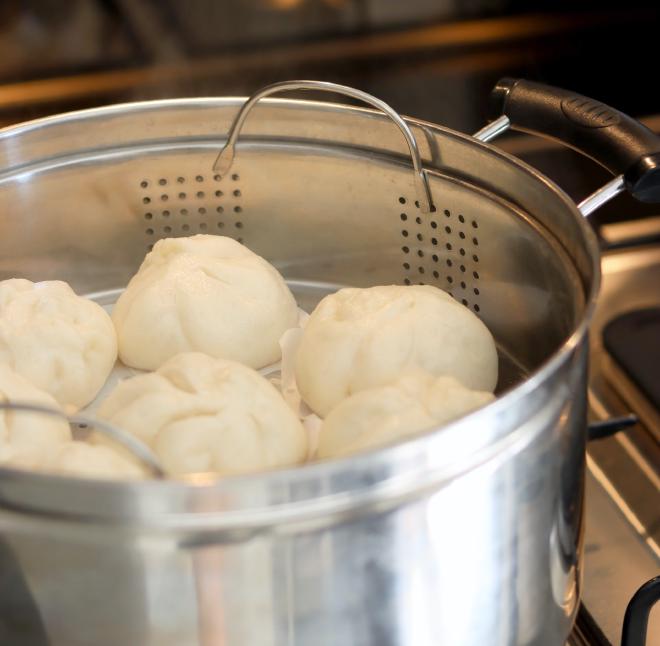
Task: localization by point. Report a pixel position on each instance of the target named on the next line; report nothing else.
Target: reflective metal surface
(622, 548)
(603, 195)
(226, 157)
(468, 535)
(494, 129)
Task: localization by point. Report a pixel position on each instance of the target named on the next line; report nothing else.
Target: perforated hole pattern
(441, 248)
(183, 206)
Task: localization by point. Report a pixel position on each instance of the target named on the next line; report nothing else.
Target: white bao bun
(201, 414)
(415, 402)
(27, 438)
(61, 342)
(90, 461)
(205, 294)
(361, 338)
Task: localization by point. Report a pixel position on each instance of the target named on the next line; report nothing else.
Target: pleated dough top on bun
(60, 342)
(201, 414)
(361, 338)
(205, 294)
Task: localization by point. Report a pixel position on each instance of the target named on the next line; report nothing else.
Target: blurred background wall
(432, 59)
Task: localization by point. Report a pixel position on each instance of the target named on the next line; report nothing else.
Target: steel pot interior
(326, 193)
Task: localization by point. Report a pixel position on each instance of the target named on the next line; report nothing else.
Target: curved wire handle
(225, 159)
(140, 450)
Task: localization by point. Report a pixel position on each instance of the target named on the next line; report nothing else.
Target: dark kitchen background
(432, 59)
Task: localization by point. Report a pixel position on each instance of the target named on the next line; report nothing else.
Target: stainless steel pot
(467, 535)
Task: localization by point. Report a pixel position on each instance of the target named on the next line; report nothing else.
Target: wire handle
(225, 159)
(140, 450)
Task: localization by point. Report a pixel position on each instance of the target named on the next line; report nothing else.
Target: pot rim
(210, 499)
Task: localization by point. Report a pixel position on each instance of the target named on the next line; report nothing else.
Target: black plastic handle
(613, 139)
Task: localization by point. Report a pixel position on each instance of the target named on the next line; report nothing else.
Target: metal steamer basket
(467, 535)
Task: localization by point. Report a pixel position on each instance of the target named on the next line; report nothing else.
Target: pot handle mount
(627, 148)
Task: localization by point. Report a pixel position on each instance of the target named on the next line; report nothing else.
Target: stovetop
(622, 546)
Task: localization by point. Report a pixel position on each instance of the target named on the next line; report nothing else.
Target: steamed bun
(26, 438)
(201, 414)
(204, 293)
(360, 338)
(62, 343)
(90, 461)
(415, 402)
